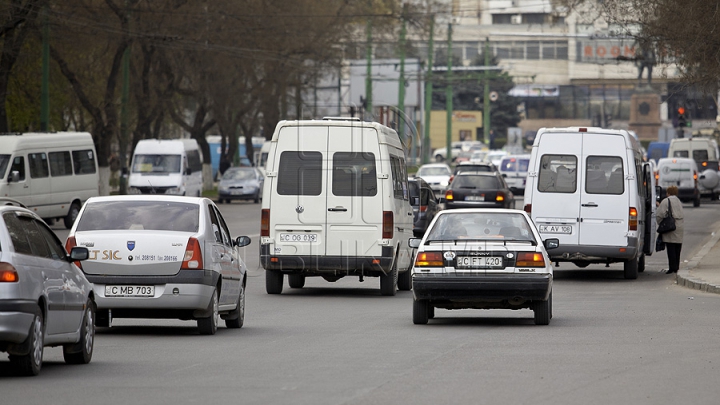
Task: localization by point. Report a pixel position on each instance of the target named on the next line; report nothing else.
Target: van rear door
(605, 197)
(299, 176)
(354, 203)
(556, 197)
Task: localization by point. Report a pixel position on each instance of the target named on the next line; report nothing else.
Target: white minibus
(166, 166)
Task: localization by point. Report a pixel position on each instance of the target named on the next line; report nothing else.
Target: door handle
(591, 204)
(337, 209)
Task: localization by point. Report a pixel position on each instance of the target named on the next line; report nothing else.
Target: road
(611, 341)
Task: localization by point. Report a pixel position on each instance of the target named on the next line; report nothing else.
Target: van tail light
(451, 179)
(429, 259)
(657, 178)
(265, 222)
(423, 208)
(500, 196)
(8, 274)
(193, 256)
(695, 177)
(387, 226)
(449, 195)
(633, 219)
(530, 259)
(528, 208)
(69, 244)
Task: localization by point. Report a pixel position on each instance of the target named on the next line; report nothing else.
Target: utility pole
(486, 94)
(401, 84)
(124, 111)
(449, 99)
(368, 77)
(428, 95)
(45, 90)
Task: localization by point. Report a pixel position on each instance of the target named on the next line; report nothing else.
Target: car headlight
(444, 183)
(224, 188)
(173, 190)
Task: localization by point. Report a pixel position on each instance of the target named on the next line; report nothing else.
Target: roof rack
(341, 119)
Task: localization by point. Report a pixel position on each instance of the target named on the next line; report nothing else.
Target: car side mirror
(241, 241)
(552, 243)
(78, 253)
(504, 174)
(188, 171)
(414, 242)
(14, 177)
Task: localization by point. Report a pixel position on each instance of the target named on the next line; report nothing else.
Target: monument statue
(644, 59)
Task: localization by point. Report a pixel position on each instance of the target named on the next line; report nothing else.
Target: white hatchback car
(156, 256)
(437, 175)
(482, 258)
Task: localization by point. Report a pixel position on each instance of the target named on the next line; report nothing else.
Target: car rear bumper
(481, 288)
(249, 196)
(328, 265)
(16, 316)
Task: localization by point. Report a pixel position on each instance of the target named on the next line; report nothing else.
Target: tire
(431, 312)
(220, 201)
(69, 219)
(630, 268)
(641, 263)
(696, 202)
(420, 312)
(236, 317)
(388, 282)
(208, 326)
(405, 280)
(81, 353)
(543, 311)
(31, 363)
(102, 318)
(257, 198)
(296, 280)
(273, 282)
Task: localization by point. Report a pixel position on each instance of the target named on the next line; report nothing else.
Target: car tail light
(449, 195)
(530, 259)
(387, 226)
(69, 244)
(632, 219)
(451, 179)
(528, 208)
(8, 274)
(423, 208)
(657, 178)
(500, 196)
(265, 222)
(193, 256)
(429, 259)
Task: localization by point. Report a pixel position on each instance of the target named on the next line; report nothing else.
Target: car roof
(478, 173)
(149, 197)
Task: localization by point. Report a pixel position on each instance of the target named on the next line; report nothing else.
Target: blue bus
(215, 144)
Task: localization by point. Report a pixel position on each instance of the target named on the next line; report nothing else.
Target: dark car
(424, 205)
(240, 183)
(473, 167)
(479, 190)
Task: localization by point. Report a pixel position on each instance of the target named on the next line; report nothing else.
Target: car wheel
(696, 202)
(31, 363)
(236, 317)
(641, 263)
(630, 268)
(220, 201)
(389, 281)
(420, 312)
(543, 311)
(296, 280)
(405, 280)
(81, 353)
(257, 198)
(72, 214)
(208, 326)
(273, 282)
(431, 311)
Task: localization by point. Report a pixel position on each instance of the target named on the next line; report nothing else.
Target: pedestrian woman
(673, 239)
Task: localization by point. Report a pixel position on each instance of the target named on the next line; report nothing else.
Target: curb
(683, 276)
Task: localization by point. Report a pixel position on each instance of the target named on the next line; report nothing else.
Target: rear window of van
(604, 175)
(354, 174)
(557, 174)
(300, 173)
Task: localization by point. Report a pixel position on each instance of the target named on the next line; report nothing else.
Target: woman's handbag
(659, 244)
(668, 223)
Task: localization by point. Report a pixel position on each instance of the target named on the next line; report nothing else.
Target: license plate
(129, 290)
(555, 229)
(298, 237)
(475, 198)
(478, 262)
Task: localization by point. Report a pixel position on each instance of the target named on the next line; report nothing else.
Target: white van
(682, 173)
(705, 153)
(514, 168)
(166, 166)
(336, 203)
(52, 174)
(590, 188)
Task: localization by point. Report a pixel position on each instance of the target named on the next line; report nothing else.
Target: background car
(479, 190)
(514, 168)
(155, 256)
(437, 175)
(240, 183)
(495, 156)
(45, 300)
(424, 204)
(473, 167)
(480, 258)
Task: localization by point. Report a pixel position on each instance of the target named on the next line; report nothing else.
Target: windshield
(481, 226)
(479, 182)
(140, 215)
(433, 171)
(4, 160)
(247, 174)
(156, 164)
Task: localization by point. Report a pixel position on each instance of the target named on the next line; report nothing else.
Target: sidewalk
(703, 270)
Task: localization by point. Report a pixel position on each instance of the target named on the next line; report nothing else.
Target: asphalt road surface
(611, 341)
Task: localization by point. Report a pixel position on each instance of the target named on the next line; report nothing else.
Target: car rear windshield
(140, 215)
(472, 168)
(480, 182)
(482, 226)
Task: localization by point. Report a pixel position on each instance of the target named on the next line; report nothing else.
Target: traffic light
(682, 120)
